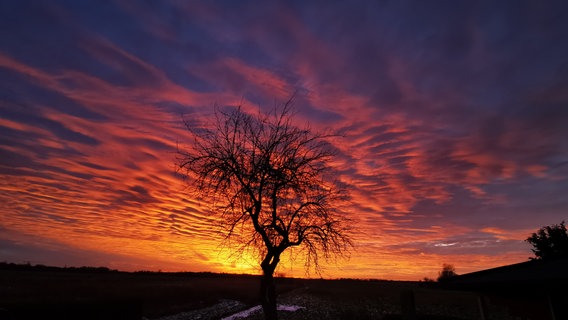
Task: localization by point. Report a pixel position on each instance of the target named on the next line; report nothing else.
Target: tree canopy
(550, 242)
(448, 271)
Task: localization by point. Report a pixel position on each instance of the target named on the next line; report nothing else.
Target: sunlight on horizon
(452, 146)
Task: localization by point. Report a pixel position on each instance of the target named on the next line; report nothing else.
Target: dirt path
(216, 311)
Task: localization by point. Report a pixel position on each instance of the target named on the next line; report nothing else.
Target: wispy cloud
(453, 125)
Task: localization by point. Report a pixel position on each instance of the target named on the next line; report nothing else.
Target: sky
(453, 115)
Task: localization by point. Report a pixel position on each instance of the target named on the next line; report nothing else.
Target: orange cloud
(428, 151)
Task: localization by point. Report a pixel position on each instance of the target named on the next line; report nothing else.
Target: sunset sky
(454, 116)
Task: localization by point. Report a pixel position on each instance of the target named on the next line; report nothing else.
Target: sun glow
(441, 167)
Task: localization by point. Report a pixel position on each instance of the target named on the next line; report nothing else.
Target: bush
(448, 271)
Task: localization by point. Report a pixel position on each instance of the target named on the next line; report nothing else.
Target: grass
(31, 294)
(358, 299)
(146, 294)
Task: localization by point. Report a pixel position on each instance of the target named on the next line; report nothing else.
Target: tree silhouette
(550, 242)
(270, 182)
(447, 272)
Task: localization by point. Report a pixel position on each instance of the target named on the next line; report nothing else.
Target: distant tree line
(41, 267)
(85, 269)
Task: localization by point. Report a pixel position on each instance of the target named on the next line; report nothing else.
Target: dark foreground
(92, 294)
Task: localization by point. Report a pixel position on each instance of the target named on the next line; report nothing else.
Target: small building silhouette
(536, 289)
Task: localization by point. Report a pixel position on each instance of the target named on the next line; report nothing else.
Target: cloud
(452, 121)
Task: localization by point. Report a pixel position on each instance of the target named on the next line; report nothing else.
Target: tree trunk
(268, 296)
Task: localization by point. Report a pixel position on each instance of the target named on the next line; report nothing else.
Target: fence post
(482, 307)
(407, 305)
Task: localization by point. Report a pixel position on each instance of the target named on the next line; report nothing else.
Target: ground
(36, 294)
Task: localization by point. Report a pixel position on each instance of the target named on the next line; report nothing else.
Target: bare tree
(270, 182)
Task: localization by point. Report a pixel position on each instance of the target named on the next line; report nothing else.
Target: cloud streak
(453, 126)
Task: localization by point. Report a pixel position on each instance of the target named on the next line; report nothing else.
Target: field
(33, 294)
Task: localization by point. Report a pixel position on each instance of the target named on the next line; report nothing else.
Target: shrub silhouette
(448, 271)
(549, 242)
